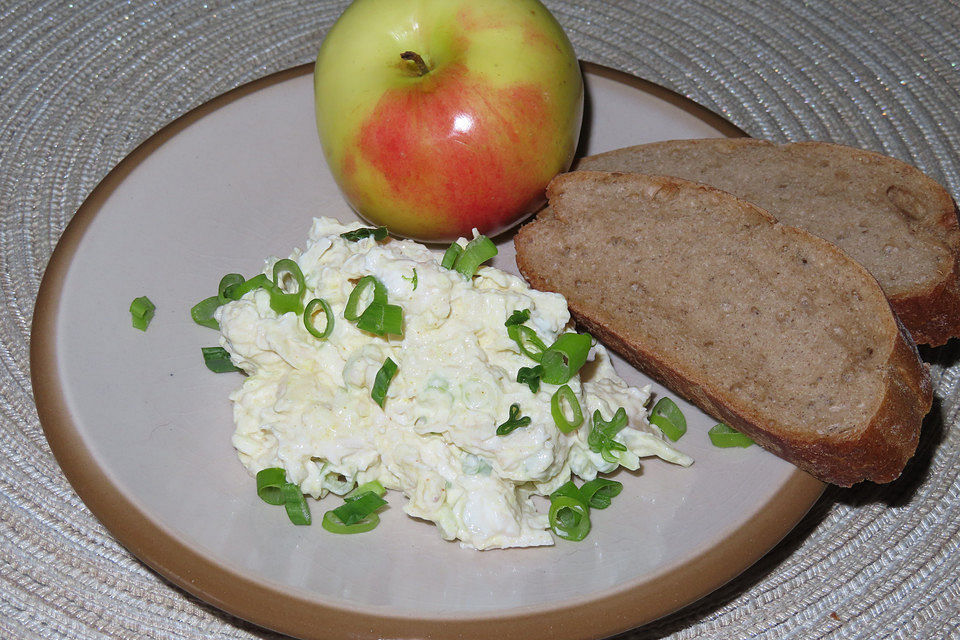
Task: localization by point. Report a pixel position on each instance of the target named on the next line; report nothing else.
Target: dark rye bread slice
(766, 327)
(891, 218)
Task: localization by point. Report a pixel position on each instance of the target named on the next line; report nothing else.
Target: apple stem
(422, 68)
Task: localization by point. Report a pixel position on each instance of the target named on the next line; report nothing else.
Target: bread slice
(766, 327)
(890, 217)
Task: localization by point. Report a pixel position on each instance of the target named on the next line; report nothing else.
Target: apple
(440, 116)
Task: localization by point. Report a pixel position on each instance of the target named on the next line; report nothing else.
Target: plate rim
(293, 614)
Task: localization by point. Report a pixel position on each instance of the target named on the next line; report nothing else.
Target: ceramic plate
(142, 429)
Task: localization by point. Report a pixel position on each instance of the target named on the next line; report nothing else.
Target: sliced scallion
(382, 381)
(667, 416)
(357, 514)
(563, 359)
(295, 504)
(519, 316)
(269, 484)
(202, 312)
(351, 312)
(450, 255)
(565, 395)
(381, 319)
(141, 312)
(229, 283)
(530, 376)
(600, 491)
(217, 359)
(477, 251)
(527, 339)
(373, 486)
(514, 421)
(600, 439)
(569, 514)
(723, 435)
(281, 300)
(356, 235)
(412, 279)
(237, 291)
(332, 523)
(310, 311)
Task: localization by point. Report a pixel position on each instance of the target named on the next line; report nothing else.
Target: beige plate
(142, 429)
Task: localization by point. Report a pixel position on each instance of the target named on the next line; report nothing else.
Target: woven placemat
(81, 84)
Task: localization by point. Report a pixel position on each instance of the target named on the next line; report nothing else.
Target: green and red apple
(440, 116)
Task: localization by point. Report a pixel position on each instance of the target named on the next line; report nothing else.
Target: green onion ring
(450, 256)
(667, 416)
(524, 336)
(280, 300)
(308, 314)
(332, 523)
(569, 517)
(228, 285)
(141, 312)
(559, 415)
(202, 312)
(723, 435)
(296, 505)
(350, 312)
(217, 359)
(600, 491)
(564, 358)
(382, 382)
(269, 483)
(373, 486)
(477, 251)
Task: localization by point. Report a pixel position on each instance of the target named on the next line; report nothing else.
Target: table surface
(82, 84)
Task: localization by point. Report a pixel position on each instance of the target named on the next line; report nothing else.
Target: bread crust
(878, 451)
(931, 314)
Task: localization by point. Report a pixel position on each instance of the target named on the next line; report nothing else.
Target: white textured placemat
(82, 83)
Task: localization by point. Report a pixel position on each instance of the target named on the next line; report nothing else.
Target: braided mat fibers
(81, 84)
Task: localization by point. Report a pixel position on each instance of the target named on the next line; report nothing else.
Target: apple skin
(471, 143)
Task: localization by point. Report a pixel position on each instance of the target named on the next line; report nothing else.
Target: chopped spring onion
(269, 483)
(382, 382)
(372, 486)
(530, 376)
(228, 282)
(569, 514)
(356, 235)
(477, 251)
(141, 312)
(380, 318)
(527, 339)
(412, 279)
(519, 316)
(217, 359)
(561, 395)
(667, 416)
(357, 514)
(296, 505)
(351, 312)
(280, 300)
(563, 359)
(202, 312)
(332, 523)
(600, 439)
(723, 435)
(599, 492)
(310, 311)
(450, 256)
(237, 291)
(515, 421)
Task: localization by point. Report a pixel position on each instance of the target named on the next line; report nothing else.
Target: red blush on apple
(416, 140)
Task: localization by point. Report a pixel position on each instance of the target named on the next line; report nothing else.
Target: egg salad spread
(309, 405)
